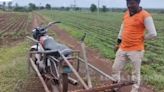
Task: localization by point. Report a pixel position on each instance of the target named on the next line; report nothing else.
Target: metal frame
(96, 69)
(39, 75)
(88, 87)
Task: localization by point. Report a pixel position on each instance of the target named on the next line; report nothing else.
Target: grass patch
(152, 77)
(12, 66)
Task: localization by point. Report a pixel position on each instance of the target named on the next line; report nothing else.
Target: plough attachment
(53, 72)
(105, 87)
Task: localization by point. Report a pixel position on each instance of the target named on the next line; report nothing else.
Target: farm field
(13, 48)
(13, 26)
(102, 34)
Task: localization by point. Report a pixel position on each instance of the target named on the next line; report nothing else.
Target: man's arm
(149, 24)
(119, 38)
(120, 34)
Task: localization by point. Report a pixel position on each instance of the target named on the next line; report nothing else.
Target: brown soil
(32, 84)
(12, 28)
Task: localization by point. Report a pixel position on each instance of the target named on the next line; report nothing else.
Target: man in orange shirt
(131, 40)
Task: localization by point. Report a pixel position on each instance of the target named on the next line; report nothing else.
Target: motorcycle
(46, 53)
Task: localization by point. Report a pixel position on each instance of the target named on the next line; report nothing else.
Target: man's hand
(116, 48)
(117, 45)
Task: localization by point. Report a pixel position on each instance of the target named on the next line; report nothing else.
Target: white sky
(5, 0)
(87, 3)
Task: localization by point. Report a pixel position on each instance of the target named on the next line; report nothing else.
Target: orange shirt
(133, 31)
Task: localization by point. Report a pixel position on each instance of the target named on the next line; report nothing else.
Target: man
(131, 40)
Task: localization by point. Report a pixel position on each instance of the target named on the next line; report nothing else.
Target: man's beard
(133, 10)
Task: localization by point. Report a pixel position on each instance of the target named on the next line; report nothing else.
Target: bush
(93, 8)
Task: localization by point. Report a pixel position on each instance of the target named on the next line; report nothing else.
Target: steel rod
(39, 75)
(98, 70)
(86, 65)
(75, 72)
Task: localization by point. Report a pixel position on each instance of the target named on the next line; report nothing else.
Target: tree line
(8, 6)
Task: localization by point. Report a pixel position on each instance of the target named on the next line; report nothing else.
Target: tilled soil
(32, 84)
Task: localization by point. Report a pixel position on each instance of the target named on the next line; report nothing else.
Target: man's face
(132, 6)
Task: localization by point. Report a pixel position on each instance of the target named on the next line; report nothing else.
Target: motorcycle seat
(51, 44)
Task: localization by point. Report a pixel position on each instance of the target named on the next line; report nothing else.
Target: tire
(52, 68)
(62, 83)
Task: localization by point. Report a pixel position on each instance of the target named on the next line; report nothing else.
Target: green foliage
(48, 6)
(21, 9)
(151, 77)
(32, 6)
(77, 8)
(13, 66)
(3, 6)
(104, 8)
(41, 7)
(93, 8)
(9, 4)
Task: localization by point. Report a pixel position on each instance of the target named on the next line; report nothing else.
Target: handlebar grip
(50, 24)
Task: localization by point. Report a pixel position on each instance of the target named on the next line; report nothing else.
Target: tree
(32, 6)
(62, 8)
(16, 5)
(21, 9)
(41, 7)
(10, 5)
(67, 8)
(93, 8)
(18, 8)
(77, 8)
(48, 6)
(4, 5)
(104, 8)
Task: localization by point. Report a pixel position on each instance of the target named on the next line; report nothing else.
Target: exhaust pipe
(72, 81)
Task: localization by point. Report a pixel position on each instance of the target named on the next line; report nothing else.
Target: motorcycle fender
(35, 47)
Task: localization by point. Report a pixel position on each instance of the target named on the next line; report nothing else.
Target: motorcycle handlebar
(50, 24)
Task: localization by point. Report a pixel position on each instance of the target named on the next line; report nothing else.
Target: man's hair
(138, 1)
